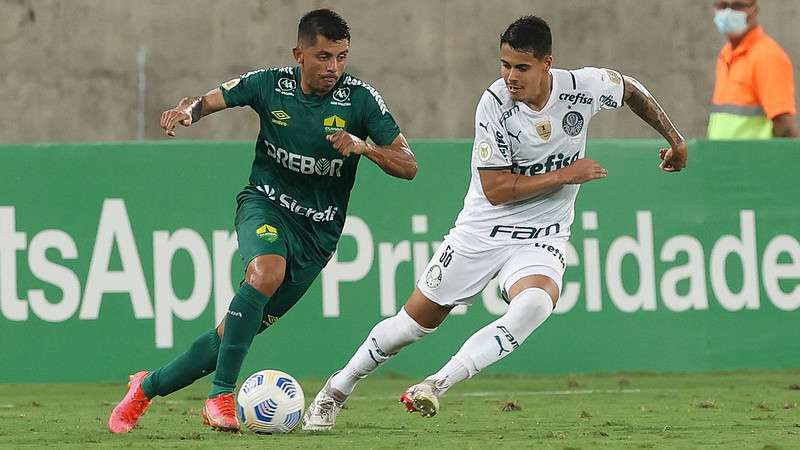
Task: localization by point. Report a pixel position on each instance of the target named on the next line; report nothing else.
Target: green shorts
(263, 229)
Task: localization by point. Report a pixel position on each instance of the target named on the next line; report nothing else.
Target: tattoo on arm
(192, 105)
(641, 102)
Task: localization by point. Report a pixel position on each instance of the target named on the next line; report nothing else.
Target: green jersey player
(315, 120)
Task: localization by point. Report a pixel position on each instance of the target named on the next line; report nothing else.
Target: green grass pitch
(756, 410)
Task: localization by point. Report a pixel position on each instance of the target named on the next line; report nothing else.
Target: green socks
(241, 324)
(198, 361)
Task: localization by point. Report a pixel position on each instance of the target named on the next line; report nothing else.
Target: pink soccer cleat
(220, 413)
(126, 414)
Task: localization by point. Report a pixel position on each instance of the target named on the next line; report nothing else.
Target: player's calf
(384, 341)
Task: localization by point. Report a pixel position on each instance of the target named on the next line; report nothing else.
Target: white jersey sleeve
(605, 85)
(490, 148)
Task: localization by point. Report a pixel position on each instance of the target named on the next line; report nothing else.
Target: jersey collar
(752, 37)
(553, 94)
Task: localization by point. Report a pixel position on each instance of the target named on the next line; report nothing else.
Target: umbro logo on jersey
(280, 117)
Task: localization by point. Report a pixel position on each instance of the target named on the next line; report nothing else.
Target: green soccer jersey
(295, 166)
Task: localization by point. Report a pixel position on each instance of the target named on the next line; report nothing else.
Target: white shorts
(453, 277)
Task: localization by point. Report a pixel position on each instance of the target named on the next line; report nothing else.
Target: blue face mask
(730, 22)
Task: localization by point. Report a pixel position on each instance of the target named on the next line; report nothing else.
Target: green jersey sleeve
(380, 124)
(247, 89)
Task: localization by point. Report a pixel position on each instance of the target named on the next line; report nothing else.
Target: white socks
(529, 309)
(384, 341)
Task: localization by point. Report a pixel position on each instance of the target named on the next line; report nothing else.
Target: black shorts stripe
(495, 97)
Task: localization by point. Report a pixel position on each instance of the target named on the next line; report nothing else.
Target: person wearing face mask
(754, 90)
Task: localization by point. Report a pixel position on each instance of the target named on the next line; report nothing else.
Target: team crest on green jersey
(333, 124)
(268, 233)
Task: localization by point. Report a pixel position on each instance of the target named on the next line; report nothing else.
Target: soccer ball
(270, 401)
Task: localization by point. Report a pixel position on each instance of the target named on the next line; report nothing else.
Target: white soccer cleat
(322, 411)
(422, 398)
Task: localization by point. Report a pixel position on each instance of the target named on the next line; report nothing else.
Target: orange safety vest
(755, 84)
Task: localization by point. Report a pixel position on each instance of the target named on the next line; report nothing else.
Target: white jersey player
(528, 162)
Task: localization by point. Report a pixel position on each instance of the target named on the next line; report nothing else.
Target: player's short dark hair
(322, 22)
(529, 34)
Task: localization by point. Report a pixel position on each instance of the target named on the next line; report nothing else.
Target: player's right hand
(171, 117)
(583, 170)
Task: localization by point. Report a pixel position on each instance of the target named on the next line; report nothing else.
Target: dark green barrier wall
(114, 256)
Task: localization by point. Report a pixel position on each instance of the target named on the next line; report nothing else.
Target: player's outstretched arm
(190, 109)
(396, 159)
(641, 102)
(503, 186)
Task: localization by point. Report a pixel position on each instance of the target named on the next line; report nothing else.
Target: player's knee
(265, 273)
(413, 329)
(396, 332)
(532, 303)
(266, 283)
(264, 280)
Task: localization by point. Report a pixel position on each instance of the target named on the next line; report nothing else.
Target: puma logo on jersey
(500, 343)
(485, 126)
(509, 337)
(515, 136)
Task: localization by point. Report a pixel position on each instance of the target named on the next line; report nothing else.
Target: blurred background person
(754, 88)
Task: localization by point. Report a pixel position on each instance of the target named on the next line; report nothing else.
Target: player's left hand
(674, 159)
(347, 144)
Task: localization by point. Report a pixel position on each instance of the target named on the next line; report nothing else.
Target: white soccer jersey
(510, 135)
